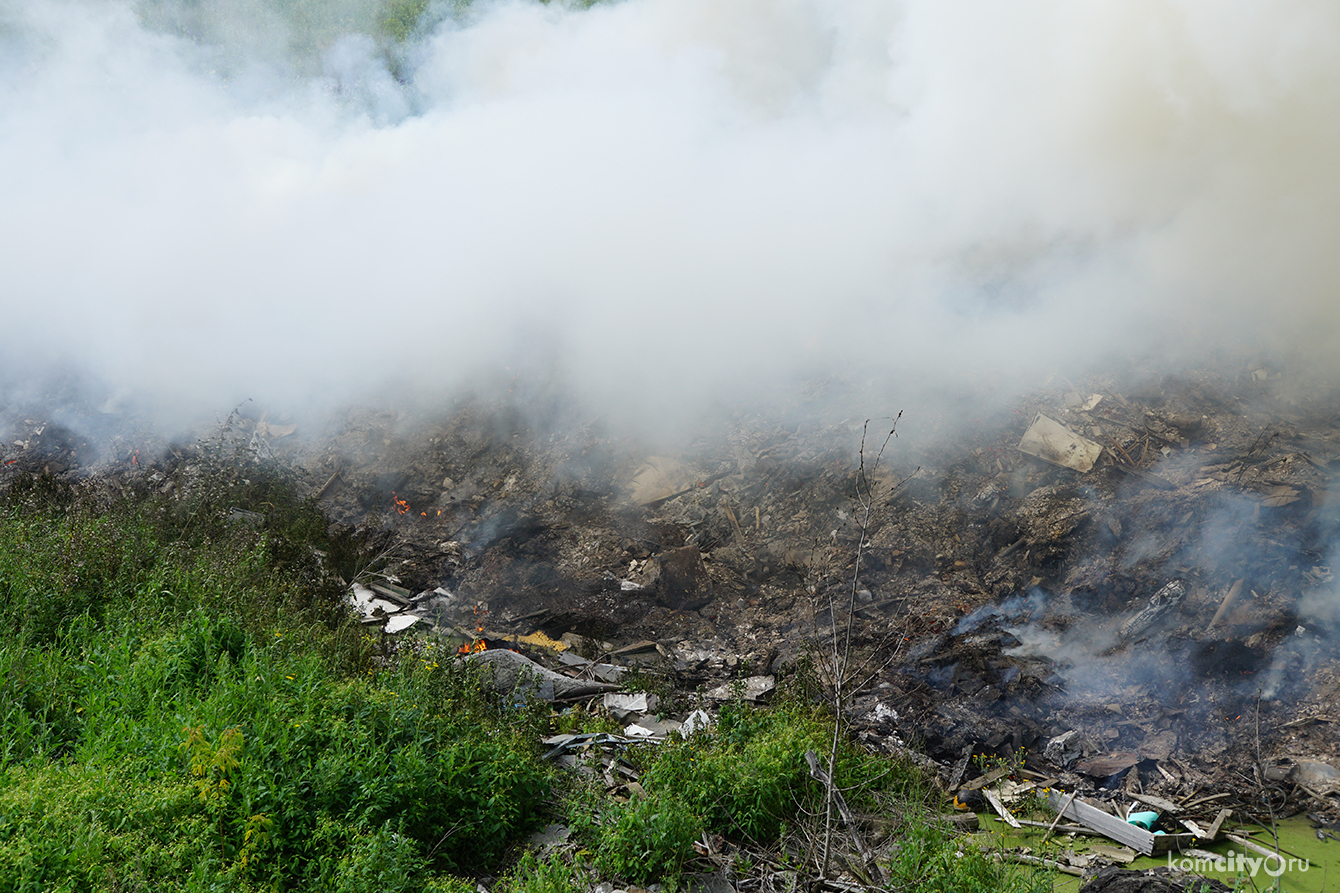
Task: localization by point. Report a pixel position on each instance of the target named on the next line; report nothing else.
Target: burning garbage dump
(663, 468)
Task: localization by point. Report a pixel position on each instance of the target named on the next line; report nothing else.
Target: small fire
(401, 506)
(480, 612)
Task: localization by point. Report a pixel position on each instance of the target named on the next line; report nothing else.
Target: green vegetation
(179, 710)
(748, 781)
(185, 705)
(400, 18)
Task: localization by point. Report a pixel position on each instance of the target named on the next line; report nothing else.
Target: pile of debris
(1133, 824)
(1150, 566)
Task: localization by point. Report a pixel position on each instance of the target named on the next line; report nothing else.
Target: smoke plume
(659, 203)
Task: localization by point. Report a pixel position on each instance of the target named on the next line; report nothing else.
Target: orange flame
(401, 506)
(478, 644)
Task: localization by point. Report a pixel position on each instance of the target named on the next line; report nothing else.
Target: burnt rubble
(1160, 610)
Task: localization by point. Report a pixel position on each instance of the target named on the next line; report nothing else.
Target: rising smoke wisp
(660, 200)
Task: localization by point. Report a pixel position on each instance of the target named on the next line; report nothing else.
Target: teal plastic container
(1146, 820)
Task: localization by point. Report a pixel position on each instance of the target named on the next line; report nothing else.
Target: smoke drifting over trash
(659, 203)
(574, 315)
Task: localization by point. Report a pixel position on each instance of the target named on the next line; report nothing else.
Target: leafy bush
(262, 755)
(385, 861)
(196, 719)
(649, 838)
(746, 779)
(930, 856)
(551, 875)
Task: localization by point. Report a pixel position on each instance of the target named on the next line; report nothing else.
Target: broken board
(1113, 828)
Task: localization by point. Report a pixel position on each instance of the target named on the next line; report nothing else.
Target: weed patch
(180, 710)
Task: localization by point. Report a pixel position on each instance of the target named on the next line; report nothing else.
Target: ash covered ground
(1174, 606)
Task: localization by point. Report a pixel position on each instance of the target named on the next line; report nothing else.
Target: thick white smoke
(662, 200)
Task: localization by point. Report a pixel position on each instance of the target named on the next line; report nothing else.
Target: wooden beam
(1064, 829)
(983, 780)
(1044, 863)
(1165, 806)
(1213, 831)
(994, 799)
(1111, 827)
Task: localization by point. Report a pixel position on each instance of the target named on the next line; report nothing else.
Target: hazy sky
(661, 199)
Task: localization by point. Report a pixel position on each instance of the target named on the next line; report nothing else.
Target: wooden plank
(1229, 598)
(994, 799)
(1166, 806)
(1194, 829)
(1277, 853)
(1044, 863)
(960, 767)
(633, 649)
(330, 482)
(1116, 854)
(1172, 843)
(394, 593)
(1136, 838)
(1305, 720)
(1063, 828)
(1213, 831)
(983, 780)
